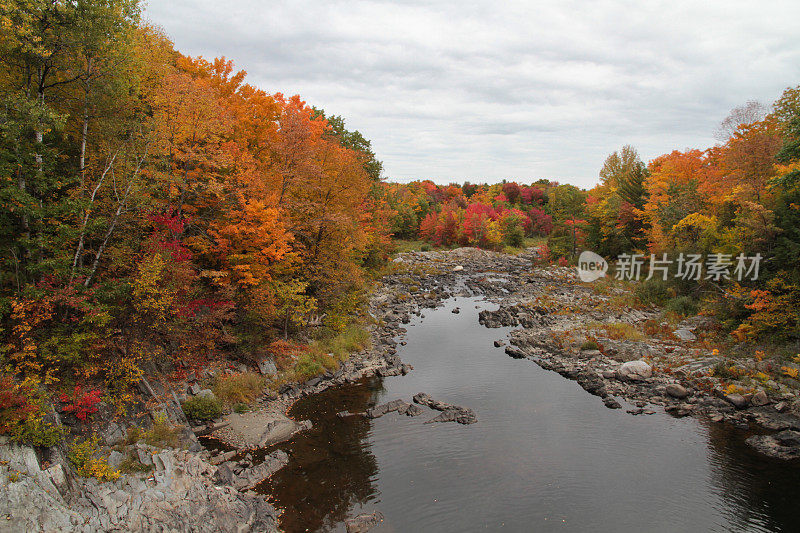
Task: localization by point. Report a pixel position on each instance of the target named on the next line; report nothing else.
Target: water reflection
(332, 468)
(758, 493)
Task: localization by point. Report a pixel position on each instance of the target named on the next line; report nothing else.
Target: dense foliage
(156, 207)
(739, 198)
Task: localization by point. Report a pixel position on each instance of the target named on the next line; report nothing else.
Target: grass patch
(404, 245)
(527, 242)
(132, 465)
(621, 331)
(682, 305)
(238, 388)
(162, 434)
(353, 338)
(326, 352)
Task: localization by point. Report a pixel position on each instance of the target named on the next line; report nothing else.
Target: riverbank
(629, 357)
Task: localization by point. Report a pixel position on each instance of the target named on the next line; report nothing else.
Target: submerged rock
(363, 522)
(450, 413)
(611, 403)
(462, 415)
(389, 407)
(782, 445)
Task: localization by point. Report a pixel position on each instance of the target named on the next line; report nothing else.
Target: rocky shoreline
(561, 324)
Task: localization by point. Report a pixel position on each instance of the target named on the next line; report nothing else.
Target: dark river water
(544, 455)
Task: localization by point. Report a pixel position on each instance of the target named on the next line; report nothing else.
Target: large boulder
(634, 371)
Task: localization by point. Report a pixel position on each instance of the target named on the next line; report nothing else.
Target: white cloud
(488, 90)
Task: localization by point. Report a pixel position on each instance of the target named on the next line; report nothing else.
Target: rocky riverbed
(628, 357)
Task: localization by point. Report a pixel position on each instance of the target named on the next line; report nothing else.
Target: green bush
(309, 365)
(653, 291)
(425, 248)
(683, 305)
(36, 431)
(202, 408)
(590, 345)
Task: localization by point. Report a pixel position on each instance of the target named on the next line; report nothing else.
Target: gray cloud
(488, 90)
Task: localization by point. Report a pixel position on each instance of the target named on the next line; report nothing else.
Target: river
(544, 455)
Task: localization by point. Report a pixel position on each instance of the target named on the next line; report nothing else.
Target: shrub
(202, 408)
(81, 403)
(682, 305)
(590, 344)
(653, 291)
(425, 248)
(84, 457)
(14, 406)
(309, 365)
(722, 370)
(162, 434)
(239, 388)
(240, 408)
(36, 431)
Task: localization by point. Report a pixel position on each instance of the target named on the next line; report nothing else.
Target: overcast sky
(486, 90)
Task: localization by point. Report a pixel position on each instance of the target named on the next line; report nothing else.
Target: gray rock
(782, 445)
(685, 335)
(180, 496)
(207, 393)
(737, 400)
(760, 398)
(634, 371)
(676, 391)
(145, 457)
(115, 459)
(113, 434)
